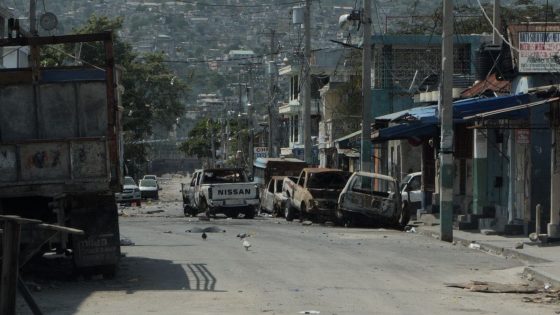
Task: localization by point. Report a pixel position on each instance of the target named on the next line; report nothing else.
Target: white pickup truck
(220, 190)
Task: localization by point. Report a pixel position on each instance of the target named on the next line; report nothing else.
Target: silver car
(130, 192)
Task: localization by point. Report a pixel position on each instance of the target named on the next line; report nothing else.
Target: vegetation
(152, 92)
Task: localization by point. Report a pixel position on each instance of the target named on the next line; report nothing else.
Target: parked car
(154, 177)
(149, 189)
(273, 200)
(314, 194)
(372, 197)
(220, 190)
(411, 186)
(130, 192)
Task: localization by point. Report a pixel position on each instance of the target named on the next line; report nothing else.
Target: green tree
(199, 143)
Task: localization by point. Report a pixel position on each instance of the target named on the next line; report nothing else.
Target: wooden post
(10, 246)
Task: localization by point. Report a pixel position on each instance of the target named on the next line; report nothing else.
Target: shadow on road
(68, 291)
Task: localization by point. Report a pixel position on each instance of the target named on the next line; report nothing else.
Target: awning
(475, 106)
(412, 114)
(405, 131)
(349, 136)
(511, 109)
(351, 153)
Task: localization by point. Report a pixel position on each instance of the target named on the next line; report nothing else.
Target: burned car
(372, 198)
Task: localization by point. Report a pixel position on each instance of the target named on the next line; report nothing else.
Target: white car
(130, 192)
(411, 188)
(149, 189)
(154, 177)
(273, 200)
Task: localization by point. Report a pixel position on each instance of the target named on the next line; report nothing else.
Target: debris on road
(204, 237)
(168, 232)
(410, 229)
(310, 312)
(210, 229)
(474, 246)
(155, 211)
(127, 242)
(306, 223)
(246, 244)
(494, 287)
(519, 246)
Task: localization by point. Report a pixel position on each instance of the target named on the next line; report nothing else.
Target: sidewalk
(542, 261)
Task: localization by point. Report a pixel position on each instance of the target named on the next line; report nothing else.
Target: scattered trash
(168, 232)
(474, 246)
(154, 211)
(329, 223)
(204, 236)
(243, 235)
(306, 223)
(310, 312)
(385, 236)
(547, 286)
(123, 214)
(530, 277)
(547, 298)
(410, 229)
(127, 242)
(494, 287)
(519, 246)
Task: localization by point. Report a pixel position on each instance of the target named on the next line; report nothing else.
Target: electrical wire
(496, 29)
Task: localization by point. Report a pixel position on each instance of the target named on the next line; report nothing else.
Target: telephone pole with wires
(446, 169)
(306, 66)
(365, 153)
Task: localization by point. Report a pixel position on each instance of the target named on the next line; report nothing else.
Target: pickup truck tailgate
(234, 191)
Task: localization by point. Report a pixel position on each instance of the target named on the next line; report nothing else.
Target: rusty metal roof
(491, 84)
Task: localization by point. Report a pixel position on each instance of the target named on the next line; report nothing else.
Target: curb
(492, 249)
(541, 276)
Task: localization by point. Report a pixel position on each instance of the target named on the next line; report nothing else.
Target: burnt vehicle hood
(329, 194)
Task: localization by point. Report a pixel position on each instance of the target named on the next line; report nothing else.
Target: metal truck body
(60, 151)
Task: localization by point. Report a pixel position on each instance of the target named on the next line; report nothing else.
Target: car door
(359, 196)
(299, 190)
(196, 190)
(269, 196)
(414, 192)
(190, 191)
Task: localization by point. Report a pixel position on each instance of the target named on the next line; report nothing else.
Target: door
(358, 197)
(413, 187)
(268, 202)
(299, 190)
(190, 191)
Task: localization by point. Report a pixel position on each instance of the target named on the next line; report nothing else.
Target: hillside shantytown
(279, 157)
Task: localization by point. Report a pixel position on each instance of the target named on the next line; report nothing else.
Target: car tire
(249, 213)
(289, 213)
(404, 216)
(302, 213)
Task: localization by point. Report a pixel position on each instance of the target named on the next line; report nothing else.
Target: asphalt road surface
(289, 269)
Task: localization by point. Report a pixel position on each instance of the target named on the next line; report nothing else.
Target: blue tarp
(423, 121)
(403, 131)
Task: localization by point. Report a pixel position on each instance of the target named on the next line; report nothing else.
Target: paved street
(289, 268)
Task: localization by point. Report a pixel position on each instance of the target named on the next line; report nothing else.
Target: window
(415, 183)
(271, 186)
(224, 176)
(364, 185)
(328, 180)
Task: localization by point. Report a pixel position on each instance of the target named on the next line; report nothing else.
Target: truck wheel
(249, 213)
(277, 212)
(302, 213)
(404, 216)
(289, 213)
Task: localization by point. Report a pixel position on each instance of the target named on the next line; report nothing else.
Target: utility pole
(446, 170)
(496, 39)
(210, 124)
(307, 85)
(271, 112)
(365, 153)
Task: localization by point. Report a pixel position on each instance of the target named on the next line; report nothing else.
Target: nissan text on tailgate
(226, 191)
